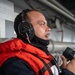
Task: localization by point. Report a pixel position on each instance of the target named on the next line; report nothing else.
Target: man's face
(39, 24)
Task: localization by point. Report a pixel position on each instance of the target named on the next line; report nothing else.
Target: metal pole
(60, 46)
(57, 9)
(62, 7)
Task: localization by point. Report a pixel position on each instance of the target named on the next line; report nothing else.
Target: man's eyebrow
(42, 21)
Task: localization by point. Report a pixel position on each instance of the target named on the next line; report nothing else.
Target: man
(27, 54)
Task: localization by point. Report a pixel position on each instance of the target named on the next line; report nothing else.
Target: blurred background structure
(60, 15)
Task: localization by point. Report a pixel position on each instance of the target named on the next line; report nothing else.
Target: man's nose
(48, 28)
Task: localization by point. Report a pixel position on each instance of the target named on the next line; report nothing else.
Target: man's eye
(42, 23)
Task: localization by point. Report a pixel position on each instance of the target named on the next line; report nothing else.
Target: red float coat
(39, 61)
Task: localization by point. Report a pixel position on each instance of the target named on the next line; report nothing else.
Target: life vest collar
(17, 45)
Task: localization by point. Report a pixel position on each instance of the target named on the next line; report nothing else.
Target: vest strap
(46, 66)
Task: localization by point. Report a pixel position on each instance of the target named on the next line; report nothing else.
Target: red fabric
(23, 51)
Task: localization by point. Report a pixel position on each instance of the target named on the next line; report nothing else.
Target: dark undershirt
(16, 66)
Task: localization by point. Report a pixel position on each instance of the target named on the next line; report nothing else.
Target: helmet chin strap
(28, 38)
(30, 41)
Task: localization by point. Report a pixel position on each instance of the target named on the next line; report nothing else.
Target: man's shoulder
(10, 44)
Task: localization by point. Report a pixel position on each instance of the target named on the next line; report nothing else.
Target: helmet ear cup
(26, 30)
